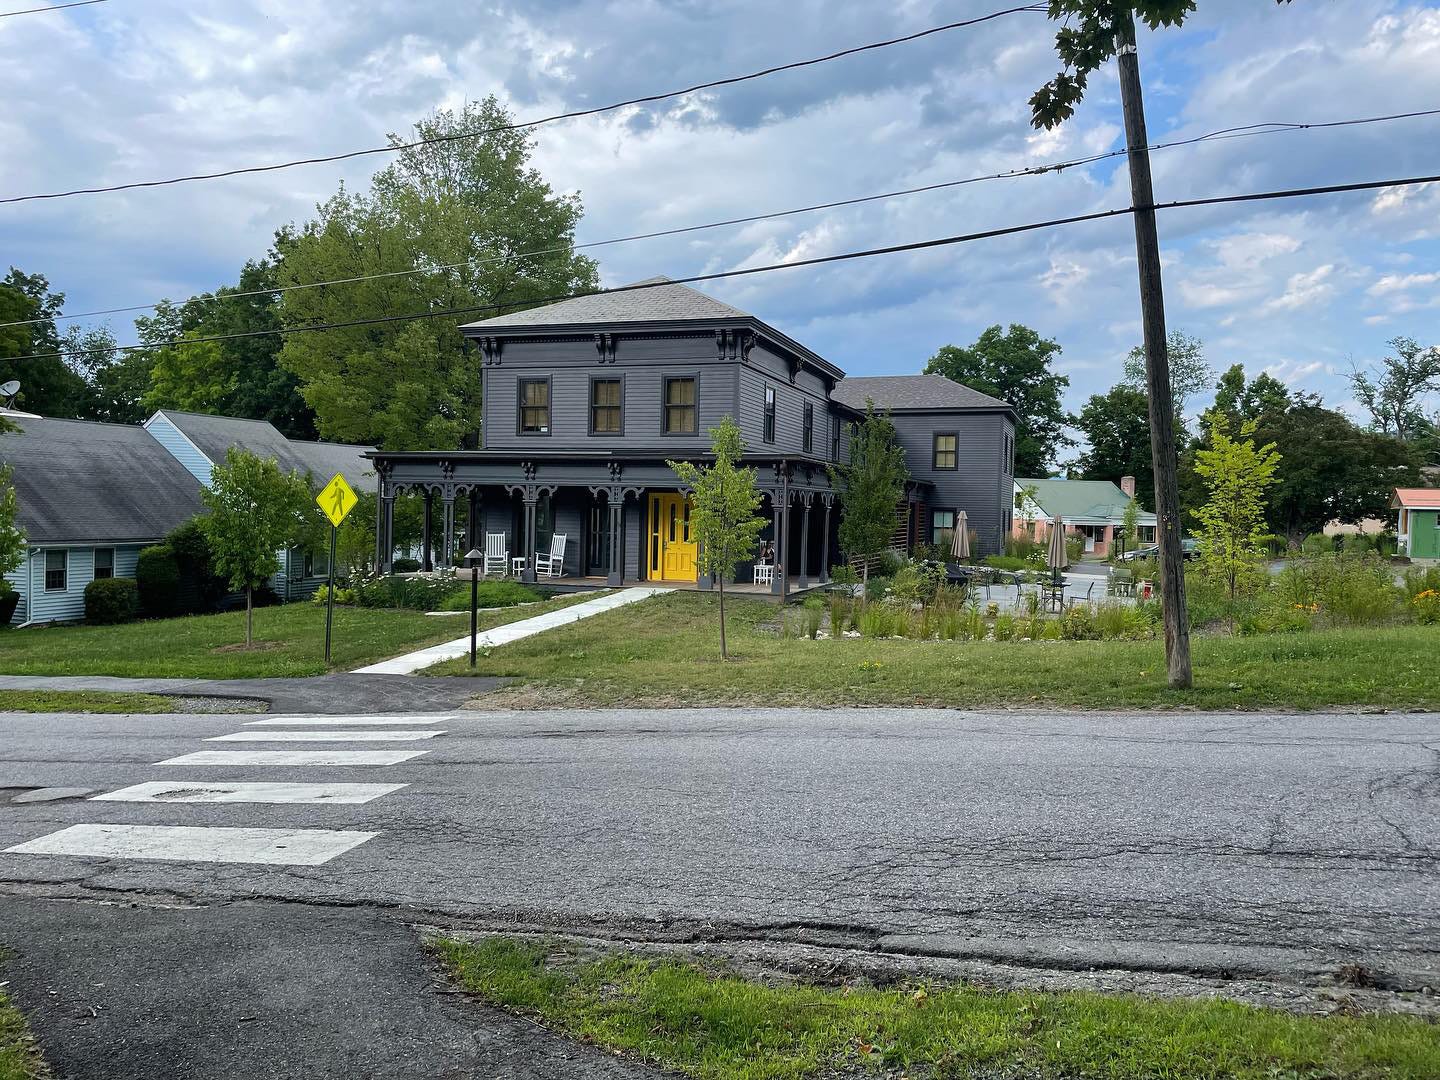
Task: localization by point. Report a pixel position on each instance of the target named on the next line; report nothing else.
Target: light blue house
(199, 441)
(90, 497)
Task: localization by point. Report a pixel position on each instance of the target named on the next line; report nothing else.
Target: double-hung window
(768, 433)
(535, 406)
(57, 567)
(946, 448)
(680, 406)
(834, 438)
(808, 431)
(104, 563)
(605, 407)
(942, 526)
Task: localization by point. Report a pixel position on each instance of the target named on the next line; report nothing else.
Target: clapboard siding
(982, 483)
(67, 605)
(181, 448)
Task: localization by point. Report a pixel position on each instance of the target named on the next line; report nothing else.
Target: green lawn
(19, 1056)
(664, 651)
(89, 701)
(709, 1023)
(289, 640)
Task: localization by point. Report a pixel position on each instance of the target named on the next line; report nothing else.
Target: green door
(1424, 534)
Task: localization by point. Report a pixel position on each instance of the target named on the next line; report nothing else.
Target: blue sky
(145, 88)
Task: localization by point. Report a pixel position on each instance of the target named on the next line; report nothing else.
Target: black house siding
(982, 482)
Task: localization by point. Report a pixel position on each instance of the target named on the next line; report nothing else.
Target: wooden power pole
(1157, 362)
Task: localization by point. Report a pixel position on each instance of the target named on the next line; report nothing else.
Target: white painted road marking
(342, 721)
(294, 757)
(325, 736)
(189, 843)
(200, 791)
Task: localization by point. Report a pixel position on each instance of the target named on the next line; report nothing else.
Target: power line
(919, 245)
(573, 114)
(52, 7)
(1245, 131)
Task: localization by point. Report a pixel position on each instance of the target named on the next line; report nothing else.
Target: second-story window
(535, 406)
(946, 448)
(769, 432)
(834, 438)
(808, 432)
(605, 407)
(680, 406)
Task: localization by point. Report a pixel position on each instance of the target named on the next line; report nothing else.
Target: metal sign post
(336, 499)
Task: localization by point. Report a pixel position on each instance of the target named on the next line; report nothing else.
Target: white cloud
(1304, 290)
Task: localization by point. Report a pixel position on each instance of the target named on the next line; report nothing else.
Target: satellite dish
(10, 389)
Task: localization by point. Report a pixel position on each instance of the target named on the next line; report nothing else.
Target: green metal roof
(1082, 501)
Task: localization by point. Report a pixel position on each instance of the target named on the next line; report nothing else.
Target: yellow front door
(672, 548)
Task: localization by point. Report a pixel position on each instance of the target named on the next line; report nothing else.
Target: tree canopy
(872, 484)
(1116, 424)
(1394, 396)
(1015, 366)
(449, 221)
(1189, 373)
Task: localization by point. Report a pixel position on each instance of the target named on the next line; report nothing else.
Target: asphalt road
(1206, 843)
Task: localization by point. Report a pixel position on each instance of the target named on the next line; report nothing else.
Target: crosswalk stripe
(294, 757)
(191, 843)
(347, 721)
(199, 791)
(325, 736)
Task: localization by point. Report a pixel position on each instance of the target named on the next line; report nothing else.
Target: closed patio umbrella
(960, 538)
(1056, 557)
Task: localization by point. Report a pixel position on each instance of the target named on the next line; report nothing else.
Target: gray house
(585, 401)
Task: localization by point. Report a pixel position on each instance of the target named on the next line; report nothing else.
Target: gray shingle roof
(659, 303)
(79, 482)
(912, 392)
(213, 435)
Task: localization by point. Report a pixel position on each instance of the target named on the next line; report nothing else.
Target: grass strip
(712, 1024)
(289, 641)
(665, 652)
(19, 1055)
(84, 701)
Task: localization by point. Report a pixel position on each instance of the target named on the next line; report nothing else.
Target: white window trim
(45, 570)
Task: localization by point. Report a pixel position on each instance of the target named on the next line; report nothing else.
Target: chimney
(1127, 485)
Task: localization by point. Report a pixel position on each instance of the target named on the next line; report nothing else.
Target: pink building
(1092, 509)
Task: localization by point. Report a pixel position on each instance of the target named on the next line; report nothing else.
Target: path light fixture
(473, 559)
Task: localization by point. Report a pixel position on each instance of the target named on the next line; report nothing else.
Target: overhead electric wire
(918, 245)
(1245, 131)
(522, 125)
(52, 7)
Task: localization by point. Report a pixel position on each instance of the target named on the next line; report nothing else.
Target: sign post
(336, 500)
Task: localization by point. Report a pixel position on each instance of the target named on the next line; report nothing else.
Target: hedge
(111, 600)
(157, 577)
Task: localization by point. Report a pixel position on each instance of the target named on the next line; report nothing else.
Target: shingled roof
(79, 482)
(213, 435)
(656, 299)
(899, 393)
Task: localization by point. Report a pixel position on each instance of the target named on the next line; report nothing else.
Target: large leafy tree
(1014, 365)
(1395, 393)
(725, 518)
(1232, 520)
(12, 537)
(1087, 39)
(255, 510)
(1189, 373)
(48, 385)
(1117, 426)
(449, 221)
(237, 376)
(872, 485)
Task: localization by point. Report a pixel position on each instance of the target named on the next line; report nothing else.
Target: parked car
(1189, 549)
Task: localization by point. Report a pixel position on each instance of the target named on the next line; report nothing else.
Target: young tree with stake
(872, 484)
(254, 511)
(724, 518)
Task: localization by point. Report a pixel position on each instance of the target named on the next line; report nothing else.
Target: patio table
(1052, 596)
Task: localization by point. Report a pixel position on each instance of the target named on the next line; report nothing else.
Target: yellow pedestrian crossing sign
(337, 499)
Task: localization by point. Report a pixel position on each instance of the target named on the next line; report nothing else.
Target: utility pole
(1157, 361)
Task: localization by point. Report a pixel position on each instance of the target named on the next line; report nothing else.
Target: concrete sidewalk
(503, 635)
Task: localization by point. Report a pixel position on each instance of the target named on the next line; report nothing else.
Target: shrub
(1077, 624)
(1005, 628)
(342, 595)
(1017, 547)
(876, 588)
(844, 574)
(417, 594)
(157, 581)
(1425, 606)
(406, 566)
(111, 600)
(201, 588)
(489, 594)
(1417, 581)
(879, 621)
(1317, 544)
(1007, 562)
(917, 582)
(889, 563)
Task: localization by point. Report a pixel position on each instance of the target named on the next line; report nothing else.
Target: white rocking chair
(553, 564)
(497, 555)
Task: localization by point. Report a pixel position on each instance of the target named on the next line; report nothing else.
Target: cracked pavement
(1215, 844)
